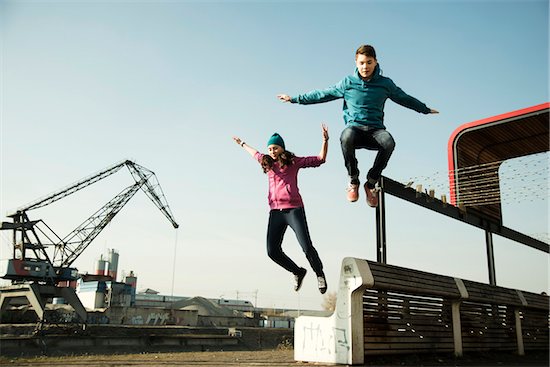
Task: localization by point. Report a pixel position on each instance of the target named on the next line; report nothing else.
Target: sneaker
(372, 196)
(298, 278)
(322, 284)
(353, 192)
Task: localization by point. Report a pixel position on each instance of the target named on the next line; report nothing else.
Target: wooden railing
(385, 309)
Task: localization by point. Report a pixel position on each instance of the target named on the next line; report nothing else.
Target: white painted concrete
(339, 337)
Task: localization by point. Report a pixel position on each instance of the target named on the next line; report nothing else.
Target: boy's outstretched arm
(324, 147)
(246, 147)
(400, 97)
(318, 96)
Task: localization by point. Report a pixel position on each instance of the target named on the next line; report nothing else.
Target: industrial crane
(31, 260)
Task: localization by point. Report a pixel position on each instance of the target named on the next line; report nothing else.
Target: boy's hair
(284, 159)
(366, 50)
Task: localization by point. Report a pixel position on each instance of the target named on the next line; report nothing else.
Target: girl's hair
(284, 159)
(366, 50)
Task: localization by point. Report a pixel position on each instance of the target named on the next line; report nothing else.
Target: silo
(113, 264)
(100, 266)
(131, 280)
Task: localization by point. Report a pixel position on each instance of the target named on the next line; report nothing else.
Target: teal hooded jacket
(363, 100)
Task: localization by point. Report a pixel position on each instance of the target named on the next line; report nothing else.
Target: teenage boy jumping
(364, 93)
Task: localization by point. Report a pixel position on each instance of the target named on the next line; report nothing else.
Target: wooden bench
(386, 309)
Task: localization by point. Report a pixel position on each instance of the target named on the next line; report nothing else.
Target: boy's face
(365, 65)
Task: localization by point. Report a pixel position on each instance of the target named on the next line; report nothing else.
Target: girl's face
(365, 65)
(275, 151)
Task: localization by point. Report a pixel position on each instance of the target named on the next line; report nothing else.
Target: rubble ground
(275, 358)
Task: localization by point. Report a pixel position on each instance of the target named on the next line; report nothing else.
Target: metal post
(381, 225)
(490, 257)
(14, 240)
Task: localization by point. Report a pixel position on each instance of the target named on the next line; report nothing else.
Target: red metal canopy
(477, 149)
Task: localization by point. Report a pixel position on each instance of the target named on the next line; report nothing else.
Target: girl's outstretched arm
(324, 147)
(246, 147)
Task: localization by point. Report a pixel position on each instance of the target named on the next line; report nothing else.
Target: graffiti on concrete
(157, 318)
(331, 341)
(137, 320)
(153, 318)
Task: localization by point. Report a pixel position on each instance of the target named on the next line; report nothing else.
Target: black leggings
(279, 220)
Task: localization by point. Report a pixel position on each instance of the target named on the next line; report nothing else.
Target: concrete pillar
(457, 328)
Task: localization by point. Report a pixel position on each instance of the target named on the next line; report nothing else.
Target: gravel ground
(275, 358)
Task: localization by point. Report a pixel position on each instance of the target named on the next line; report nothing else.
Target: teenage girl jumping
(287, 207)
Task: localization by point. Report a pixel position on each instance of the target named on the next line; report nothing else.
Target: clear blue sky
(85, 84)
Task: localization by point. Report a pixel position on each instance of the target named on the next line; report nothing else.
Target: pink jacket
(283, 182)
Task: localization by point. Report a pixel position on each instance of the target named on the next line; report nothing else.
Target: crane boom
(71, 189)
(68, 249)
(152, 189)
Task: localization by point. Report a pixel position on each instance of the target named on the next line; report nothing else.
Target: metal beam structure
(469, 216)
(381, 228)
(36, 276)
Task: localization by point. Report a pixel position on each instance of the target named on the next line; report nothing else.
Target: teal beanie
(276, 139)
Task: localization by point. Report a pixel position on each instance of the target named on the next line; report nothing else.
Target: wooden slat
(370, 351)
(397, 340)
(535, 326)
(394, 334)
(396, 278)
(388, 271)
(409, 346)
(488, 293)
(410, 311)
(397, 324)
(424, 279)
(537, 301)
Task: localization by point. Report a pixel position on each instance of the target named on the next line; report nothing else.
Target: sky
(167, 84)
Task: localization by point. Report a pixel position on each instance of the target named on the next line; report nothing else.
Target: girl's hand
(324, 145)
(324, 129)
(433, 111)
(247, 148)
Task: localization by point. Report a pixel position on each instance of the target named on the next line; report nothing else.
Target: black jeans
(365, 137)
(279, 220)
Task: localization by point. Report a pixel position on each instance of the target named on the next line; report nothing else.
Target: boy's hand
(284, 97)
(433, 111)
